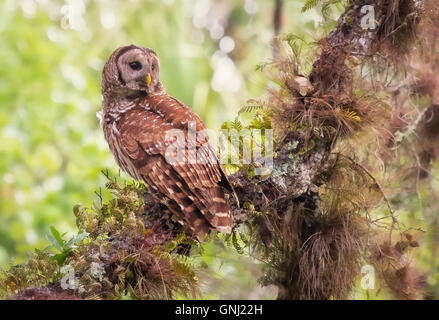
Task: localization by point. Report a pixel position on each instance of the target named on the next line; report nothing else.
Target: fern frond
(235, 241)
(295, 42)
(236, 124)
(352, 115)
(310, 4)
(251, 108)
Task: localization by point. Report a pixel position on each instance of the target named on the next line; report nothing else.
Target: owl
(137, 116)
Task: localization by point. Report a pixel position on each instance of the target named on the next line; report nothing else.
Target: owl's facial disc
(138, 70)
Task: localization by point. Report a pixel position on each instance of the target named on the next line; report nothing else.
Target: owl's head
(132, 69)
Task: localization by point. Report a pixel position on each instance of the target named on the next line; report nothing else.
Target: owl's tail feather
(190, 218)
(187, 207)
(203, 216)
(220, 210)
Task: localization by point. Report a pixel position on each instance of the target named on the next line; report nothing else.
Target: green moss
(127, 253)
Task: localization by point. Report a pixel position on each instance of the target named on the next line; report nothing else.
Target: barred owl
(137, 113)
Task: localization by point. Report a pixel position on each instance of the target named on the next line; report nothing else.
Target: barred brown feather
(136, 116)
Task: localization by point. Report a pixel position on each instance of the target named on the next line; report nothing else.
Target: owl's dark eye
(135, 65)
(153, 67)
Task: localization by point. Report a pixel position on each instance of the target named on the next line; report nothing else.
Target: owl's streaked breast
(112, 135)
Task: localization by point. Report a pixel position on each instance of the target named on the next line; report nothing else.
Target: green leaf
(55, 239)
(171, 245)
(237, 125)
(57, 236)
(61, 257)
(76, 239)
(250, 108)
(235, 241)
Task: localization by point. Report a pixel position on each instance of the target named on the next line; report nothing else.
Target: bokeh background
(52, 149)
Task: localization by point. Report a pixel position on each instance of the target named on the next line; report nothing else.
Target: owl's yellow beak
(148, 79)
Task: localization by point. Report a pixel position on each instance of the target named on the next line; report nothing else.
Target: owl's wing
(177, 113)
(143, 131)
(192, 184)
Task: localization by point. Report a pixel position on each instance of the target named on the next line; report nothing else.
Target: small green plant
(64, 247)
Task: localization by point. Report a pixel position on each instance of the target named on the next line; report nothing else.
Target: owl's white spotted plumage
(136, 115)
